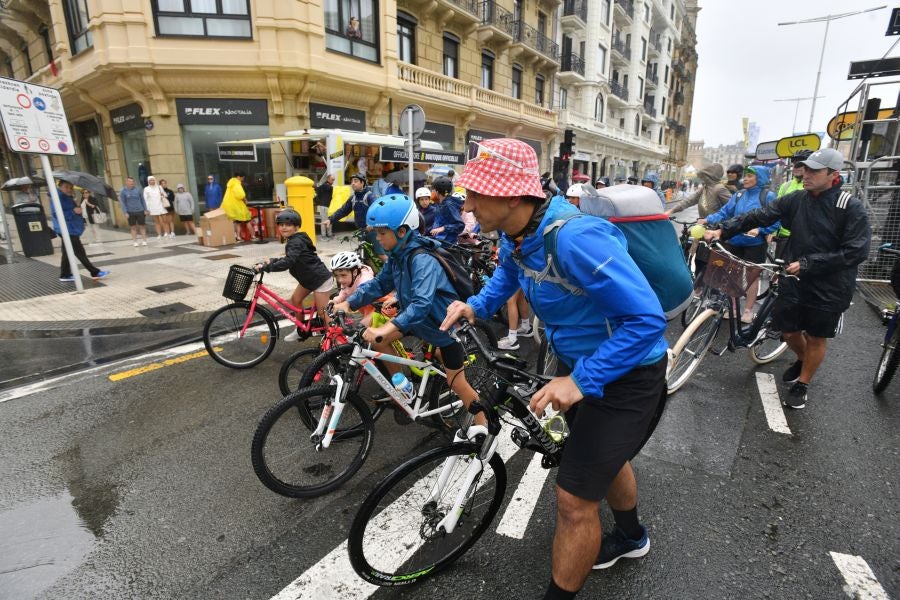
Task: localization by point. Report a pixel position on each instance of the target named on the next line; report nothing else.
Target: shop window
(90, 146)
(487, 69)
(406, 38)
(77, 19)
(598, 108)
(539, 90)
(203, 18)
(451, 55)
(26, 56)
(517, 82)
(351, 27)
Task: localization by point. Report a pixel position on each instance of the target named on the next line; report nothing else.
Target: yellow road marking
(157, 365)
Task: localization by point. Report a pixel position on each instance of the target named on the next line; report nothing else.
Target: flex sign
(789, 146)
(34, 119)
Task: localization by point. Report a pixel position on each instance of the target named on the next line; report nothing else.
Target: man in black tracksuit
(829, 238)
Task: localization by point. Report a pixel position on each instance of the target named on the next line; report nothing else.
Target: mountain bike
(242, 334)
(430, 510)
(365, 250)
(890, 357)
(316, 438)
(728, 278)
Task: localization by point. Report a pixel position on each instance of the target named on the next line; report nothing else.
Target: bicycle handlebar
(888, 249)
(683, 222)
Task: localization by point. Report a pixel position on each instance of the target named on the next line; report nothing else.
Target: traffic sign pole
(61, 219)
(411, 141)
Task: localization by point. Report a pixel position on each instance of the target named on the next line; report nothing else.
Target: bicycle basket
(238, 282)
(729, 275)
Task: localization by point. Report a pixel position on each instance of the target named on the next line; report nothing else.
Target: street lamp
(828, 19)
(796, 108)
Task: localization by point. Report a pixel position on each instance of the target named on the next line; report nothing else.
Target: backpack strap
(552, 272)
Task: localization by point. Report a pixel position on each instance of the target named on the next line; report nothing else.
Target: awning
(349, 137)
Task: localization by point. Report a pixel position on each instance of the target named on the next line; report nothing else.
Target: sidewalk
(168, 283)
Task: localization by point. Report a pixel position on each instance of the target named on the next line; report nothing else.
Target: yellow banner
(745, 124)
(789, 146)
(841, 126)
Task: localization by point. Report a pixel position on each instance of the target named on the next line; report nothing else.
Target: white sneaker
(158, 236)
(526, 331)
(172, 235)
(292, 336)
(144, 243)
(136, 244)
(507, 343)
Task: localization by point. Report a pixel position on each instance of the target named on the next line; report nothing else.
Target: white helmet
(423, 192)
(345, 260)
(575, 191)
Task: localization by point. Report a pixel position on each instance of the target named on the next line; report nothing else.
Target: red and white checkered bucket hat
(502, 167)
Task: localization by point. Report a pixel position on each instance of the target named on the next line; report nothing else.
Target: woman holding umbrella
(75, 224)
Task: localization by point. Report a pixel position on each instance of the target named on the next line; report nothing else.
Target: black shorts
(186, 218)
(790, 318)
(605, 433)
(137, 218)
(755, 254)
(453, 356)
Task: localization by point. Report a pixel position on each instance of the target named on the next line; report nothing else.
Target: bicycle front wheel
(228, 346)
(887, 364)
(699, 297)
(691, 347)
(289, 462)
(294, 367)
(396, 538)
(769, 345)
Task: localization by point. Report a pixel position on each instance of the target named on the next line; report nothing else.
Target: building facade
(626, 84)
(150, 86)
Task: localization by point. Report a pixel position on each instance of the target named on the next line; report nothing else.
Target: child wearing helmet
(304, 264)
(421, 285)
(350, 273)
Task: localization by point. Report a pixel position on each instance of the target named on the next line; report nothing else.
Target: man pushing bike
(606, 326)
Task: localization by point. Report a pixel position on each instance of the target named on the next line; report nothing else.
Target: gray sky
(746, 61)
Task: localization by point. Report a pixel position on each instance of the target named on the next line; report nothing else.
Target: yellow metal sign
(841, 126)
(789, 146)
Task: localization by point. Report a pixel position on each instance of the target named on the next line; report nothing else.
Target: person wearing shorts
(830, 237)
(605, 325)
(132, 202)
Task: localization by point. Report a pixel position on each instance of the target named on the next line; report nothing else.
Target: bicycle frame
(366, 358)
(279, 304)
(745, 337)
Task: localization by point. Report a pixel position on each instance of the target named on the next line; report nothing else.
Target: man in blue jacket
(212, 193)
(135, 208)
(75, 224)
(359, 201)
(606, 327)
(448, 223)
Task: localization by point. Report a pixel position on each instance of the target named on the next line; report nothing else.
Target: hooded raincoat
(233, 203)
(743, 202)
(711, 197)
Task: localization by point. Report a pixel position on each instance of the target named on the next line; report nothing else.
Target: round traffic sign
(24, 101)
(44, 145)
(418, 121)
(39, 104)
(63, 147)
(23, 143)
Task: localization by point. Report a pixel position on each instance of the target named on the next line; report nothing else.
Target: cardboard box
(217, 230)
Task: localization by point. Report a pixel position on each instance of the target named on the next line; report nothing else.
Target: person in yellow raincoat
(235, 206)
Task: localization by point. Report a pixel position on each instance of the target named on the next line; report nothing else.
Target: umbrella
(440, 171)
(401, 177)
(17, 183)
(86, 181)
(580, 178)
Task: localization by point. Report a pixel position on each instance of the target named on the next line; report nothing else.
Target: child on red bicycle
(304, 264)
(350, 273)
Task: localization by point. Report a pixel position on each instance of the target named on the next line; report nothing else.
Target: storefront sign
(324, 116)
(126, 118)
(445, 135)
(238, 152)
(427, 157)
(537, 147)
(767, 151)
(221, 111)
(789, 146)
(478, 136)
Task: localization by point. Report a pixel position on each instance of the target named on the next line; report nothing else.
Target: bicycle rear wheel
(225, 343)
(395, 539)
(887, 364)
(289, 463)
(294, 367)
(691, 347)
(769, 345)
(337, 360)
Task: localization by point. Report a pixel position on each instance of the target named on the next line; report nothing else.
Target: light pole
(827, 19)
(796, 108)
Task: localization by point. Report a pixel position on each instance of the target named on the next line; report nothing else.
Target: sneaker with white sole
(617, 545)
(525, 331)
(507, 343)
(100, 275)
(68, 278)
(144, 243)
(292, 336)
(136, 244)
(796, 396)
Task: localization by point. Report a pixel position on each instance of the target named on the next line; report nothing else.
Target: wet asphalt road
(143, 488)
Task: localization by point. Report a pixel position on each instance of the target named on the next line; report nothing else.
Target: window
(598, 108)
(669, 46)
(45, 36)
(406, 38)
(640, 88)
(542, 23)
(601, 60)
(563, 98)
(77, 20)
(647, 11)
(517, 10)
(351, 27)
(662, 110)
(487, 69)
(26, 56)
(637, 125)
(672, 12)
(666, 80)
(517, 82)
(604, 11)
(539, 90)
(644, 49)
(202, 18)
(451, 55)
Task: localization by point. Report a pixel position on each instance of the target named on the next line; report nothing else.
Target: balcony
(655, 47)
(620, 50)
(678, 100)
(435, 86)
(618, 90)
(625, 7)
(652, 80)
(649, 109)
(672, 123)
(497, 23)
(532, 39)
(574, 14)
(571, 69)
(464, 12)
(678, 66)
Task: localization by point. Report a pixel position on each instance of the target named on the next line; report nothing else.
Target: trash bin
(31, 223)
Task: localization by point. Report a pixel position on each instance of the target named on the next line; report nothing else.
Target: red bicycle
(242, 334)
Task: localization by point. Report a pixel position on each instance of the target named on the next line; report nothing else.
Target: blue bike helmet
(393, 211)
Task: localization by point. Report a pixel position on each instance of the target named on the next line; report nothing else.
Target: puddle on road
(42, 540)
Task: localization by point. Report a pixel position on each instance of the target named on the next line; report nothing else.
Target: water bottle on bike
(404, 386)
